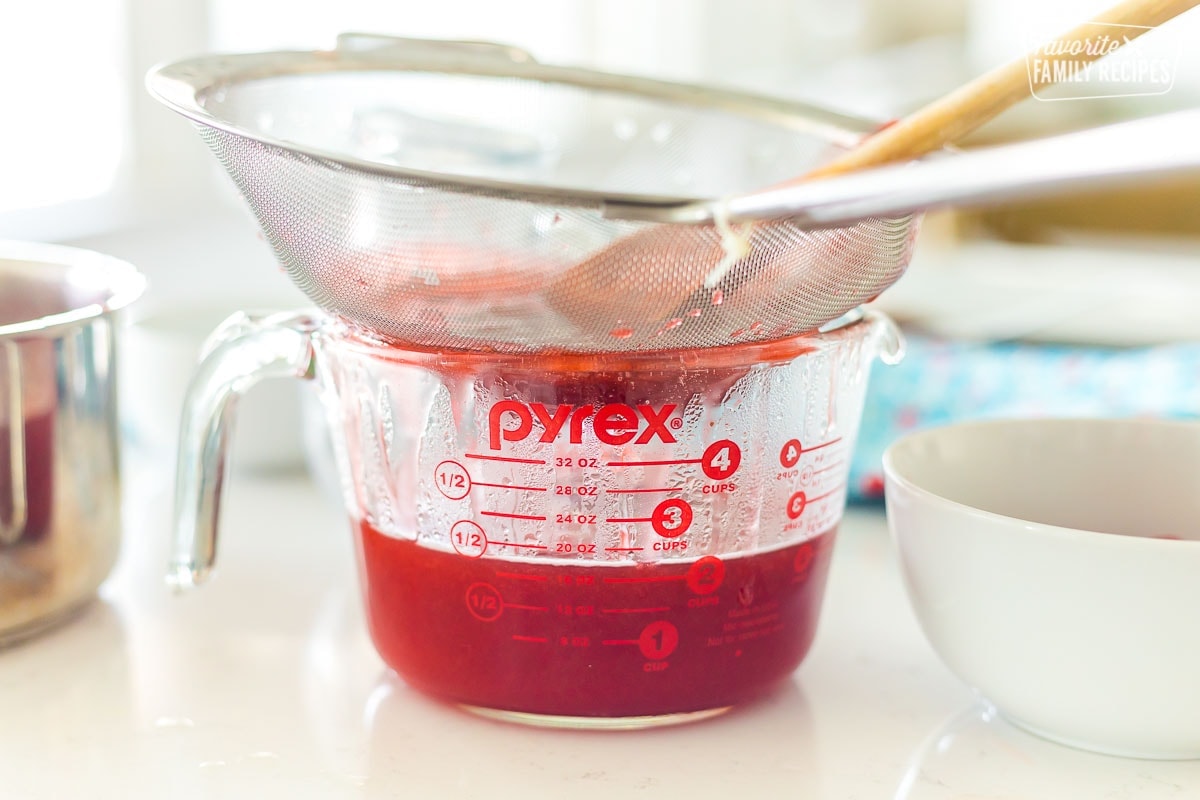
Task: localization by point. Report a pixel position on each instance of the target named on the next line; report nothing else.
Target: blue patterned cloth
(942, 381)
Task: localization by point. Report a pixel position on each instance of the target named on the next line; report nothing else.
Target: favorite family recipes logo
(1109, 60)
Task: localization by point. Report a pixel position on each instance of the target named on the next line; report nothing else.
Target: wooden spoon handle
(953, 116)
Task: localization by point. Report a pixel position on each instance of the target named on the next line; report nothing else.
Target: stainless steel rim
(123, 283)
(184, 86)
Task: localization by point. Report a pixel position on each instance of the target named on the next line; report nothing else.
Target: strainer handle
(1161, 145)
(244, 350)
(467, 48)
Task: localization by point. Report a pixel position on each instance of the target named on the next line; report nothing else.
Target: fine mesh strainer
(461, 195)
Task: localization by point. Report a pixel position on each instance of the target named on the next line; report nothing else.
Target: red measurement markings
(506, 515)
(527, 608)
(789, 455)
(514, 544)
(406, 587)
(536, 639)
(804, 558)
(796, 505)
(706, 575)
(671, 518)
(452, 480)
(484, 602)
(644, 491)
(515, 488)
(654, 463)
(623, 549)
(834, 465)
(721, 460)
(800, 501)
(468, 539)
(506, 459)
(658, 640)
(654, 579)
(520, 577)
(655, 610)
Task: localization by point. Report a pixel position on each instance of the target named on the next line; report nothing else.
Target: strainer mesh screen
(436, 264)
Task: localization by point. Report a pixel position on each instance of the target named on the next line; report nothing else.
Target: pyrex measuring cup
(607, 540)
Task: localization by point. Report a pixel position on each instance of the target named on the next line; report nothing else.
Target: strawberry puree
(601, 640)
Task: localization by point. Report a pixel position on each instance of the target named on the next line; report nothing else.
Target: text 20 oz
(568, 547)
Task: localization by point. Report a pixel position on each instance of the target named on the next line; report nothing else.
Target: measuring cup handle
(13, 412)
(887, 338)
(244, 350)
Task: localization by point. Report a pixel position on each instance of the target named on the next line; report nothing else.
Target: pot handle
(13, 413)
(244, 350)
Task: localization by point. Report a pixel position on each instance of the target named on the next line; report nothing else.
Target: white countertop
(264, 684)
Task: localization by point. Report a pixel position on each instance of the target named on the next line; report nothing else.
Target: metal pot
(60, 519)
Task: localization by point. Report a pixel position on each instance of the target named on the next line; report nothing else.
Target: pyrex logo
(614, 423)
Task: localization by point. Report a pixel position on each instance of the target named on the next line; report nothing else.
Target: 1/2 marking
(484, 602)
(468, 538)
(452, 480)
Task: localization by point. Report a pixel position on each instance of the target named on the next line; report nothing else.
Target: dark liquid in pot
(39, 478)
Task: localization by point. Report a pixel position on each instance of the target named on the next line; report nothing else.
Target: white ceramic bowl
(1038, 555)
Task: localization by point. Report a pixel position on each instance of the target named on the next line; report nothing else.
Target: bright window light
(63, 102)
(556, 30)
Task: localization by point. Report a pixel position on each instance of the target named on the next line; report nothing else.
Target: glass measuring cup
(612, 540)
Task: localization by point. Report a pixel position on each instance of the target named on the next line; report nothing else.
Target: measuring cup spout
(246, 349)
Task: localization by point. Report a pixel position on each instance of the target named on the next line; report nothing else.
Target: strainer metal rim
(185, 85)
(733, 353)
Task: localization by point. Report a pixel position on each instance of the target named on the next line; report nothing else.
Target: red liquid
(592, 641)
(38, 472)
